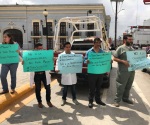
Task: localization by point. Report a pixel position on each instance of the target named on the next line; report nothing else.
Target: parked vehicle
(135, 46)
(81, 45)
(148, 56)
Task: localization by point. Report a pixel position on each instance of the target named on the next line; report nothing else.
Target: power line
(121, 6)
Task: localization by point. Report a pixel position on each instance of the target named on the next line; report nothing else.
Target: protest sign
(38, 60)
(137, 60)
(70, 63)
(99, 63)
(8, 53)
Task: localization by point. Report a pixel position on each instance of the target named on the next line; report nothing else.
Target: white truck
(81, 45)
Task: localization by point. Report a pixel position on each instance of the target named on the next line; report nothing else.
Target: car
(148, 56)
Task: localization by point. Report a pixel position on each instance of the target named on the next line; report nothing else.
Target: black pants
(65, 90)
(38, 78)
(95, 82)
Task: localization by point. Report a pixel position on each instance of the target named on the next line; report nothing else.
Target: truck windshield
(82, 45)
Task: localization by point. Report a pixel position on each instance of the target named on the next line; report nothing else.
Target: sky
(134, 11)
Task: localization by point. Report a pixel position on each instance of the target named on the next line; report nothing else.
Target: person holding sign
(69, 79)
(12, 67)
(95, 80)
(124, 78)
(37, 78)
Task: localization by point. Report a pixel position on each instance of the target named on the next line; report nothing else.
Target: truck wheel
(144, 70)
(106, 81)
(59, 79)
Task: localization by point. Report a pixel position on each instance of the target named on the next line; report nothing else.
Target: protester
(5, 68)
(95, 80)
(37, 78)
(124, 78)
(67, 80)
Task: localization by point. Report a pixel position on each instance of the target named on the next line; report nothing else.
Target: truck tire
(59, 79)
(106, 81)
(144, 70)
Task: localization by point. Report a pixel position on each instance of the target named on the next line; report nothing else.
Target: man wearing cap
(95, 80)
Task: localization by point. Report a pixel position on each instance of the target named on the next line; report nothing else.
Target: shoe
(75, 102)
(127, 101)
(49, 104)
(63, 102)
(90, 105)
(12, 91)
(40, 105)
(116, 104)
(4, 91)
(100, 103)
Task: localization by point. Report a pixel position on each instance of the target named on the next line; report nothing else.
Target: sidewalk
(22, 87)
(136, 114)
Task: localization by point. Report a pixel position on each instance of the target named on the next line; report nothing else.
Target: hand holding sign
(126, 63)
(8, 53)
(99, 63)
(70, 63)
(40, 60)
(137, 60)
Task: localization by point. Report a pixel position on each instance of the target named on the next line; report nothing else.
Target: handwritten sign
(8, 53)
(70, 63)
(137, 60)
(99, 63)
(38, 60)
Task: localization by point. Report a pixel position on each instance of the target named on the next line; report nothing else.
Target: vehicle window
(82, 45)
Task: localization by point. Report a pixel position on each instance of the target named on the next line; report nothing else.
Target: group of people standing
(124, 78)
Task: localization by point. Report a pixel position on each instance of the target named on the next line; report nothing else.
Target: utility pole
(116, 17)
(45, 13)
(116, 22)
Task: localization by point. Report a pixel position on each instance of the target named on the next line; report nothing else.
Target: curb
(7, 99)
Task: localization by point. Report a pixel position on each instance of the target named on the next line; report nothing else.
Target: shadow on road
(71, 114)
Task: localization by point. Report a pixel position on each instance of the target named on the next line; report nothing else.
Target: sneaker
(116, 104)
(75, 102)
(100, 103)
(90, 105)
(63, 102)
(127, 101)
(4, 91)
(49, 104)
(40, 105)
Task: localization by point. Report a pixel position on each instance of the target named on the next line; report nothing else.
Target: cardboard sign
(99, 63)
(137, 60)
(8, 53)
(38, 60)
(70, 63)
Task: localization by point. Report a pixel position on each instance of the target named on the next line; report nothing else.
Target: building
(27, 22)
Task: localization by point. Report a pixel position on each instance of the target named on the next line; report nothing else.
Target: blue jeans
(65, 90)
(4, 71)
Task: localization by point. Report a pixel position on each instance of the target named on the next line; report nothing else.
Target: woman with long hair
(5, 68)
